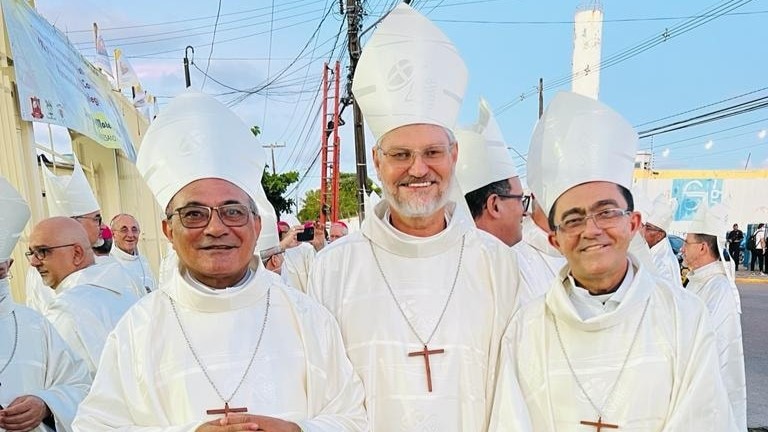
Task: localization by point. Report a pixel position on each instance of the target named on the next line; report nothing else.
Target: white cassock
(137, 266)
(539, 260)
(38, 295)
(42, 366)
(711, 284)
(297, 264)
(87, 307)
(671, 382)
(118, 278)
(421, 272)
(666, 262)
(149, 380)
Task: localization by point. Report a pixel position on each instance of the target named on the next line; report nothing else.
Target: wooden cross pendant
(226, 410)
(599, 424)
(426, 352)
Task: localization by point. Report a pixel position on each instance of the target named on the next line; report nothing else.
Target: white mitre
(13, 218)
(643, 204)
(69, 196)
(483, 155)
(197, 137)
(409, 73)
(662, 211)
(710, 220)
(268, 243)
(579, 140)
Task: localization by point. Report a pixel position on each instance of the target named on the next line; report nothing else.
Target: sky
(713, 56)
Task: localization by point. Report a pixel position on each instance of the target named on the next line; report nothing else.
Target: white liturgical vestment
(421, 272)
(671, 380)
(38, 295)
(539, 260)
(296, 265)
(137, 266)
(711, 284)
(149, 379)
(666, 262)
(42, 366)
(87, 307)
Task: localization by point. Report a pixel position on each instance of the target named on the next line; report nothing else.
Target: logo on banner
(691, 193)
(37, 112)
(104, 128)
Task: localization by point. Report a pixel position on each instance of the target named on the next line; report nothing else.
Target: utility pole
(186, 64)
(272, 148)
(354, 20)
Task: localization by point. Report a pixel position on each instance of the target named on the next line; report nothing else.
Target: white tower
(587, 43)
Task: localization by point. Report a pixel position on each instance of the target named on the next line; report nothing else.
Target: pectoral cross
(426, 352)
(226, 410)
(599, 424)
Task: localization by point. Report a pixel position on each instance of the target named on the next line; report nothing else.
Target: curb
(751, 280)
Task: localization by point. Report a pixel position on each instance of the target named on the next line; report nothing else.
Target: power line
(701, 107)
(711, 116)
(184, 20)
(213, 43)
(571, 22)
(700, 19)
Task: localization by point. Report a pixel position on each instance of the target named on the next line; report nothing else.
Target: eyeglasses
(525, 200)
(96, 218)
(692, 242)
(402, 157)
(650, 227)
(604, 219)
(126, 230)
(194, 216)
(42, 252)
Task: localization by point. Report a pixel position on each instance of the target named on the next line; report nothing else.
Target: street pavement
(754, 327)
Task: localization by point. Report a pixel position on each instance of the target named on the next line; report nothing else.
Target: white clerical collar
(208, 290)
(706, 271)
(123, 255)
(589, 305)
(387, 219)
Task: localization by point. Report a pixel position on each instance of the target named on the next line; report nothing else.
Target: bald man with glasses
(84, 308)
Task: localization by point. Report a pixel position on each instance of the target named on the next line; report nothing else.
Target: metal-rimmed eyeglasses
(525, 200)
(197, 216)
(403, 157)
(42, 252)
(604, 219)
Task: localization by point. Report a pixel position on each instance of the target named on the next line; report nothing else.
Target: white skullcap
(483, 155)
(197, 137)
(13, 218)
(662, 211)
(579, 140)
(409, 72)
(712, 221)
(69, 196)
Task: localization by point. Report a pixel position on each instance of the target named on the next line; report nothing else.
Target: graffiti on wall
(691, 193)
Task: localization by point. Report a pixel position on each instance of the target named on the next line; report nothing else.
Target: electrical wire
(213, 44)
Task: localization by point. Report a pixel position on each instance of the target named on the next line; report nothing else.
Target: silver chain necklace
(402, 312)
(621, 371)
(202, 366)
(15, 341)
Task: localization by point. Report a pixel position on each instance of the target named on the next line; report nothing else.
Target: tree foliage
(347, 198)
(275, 186)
